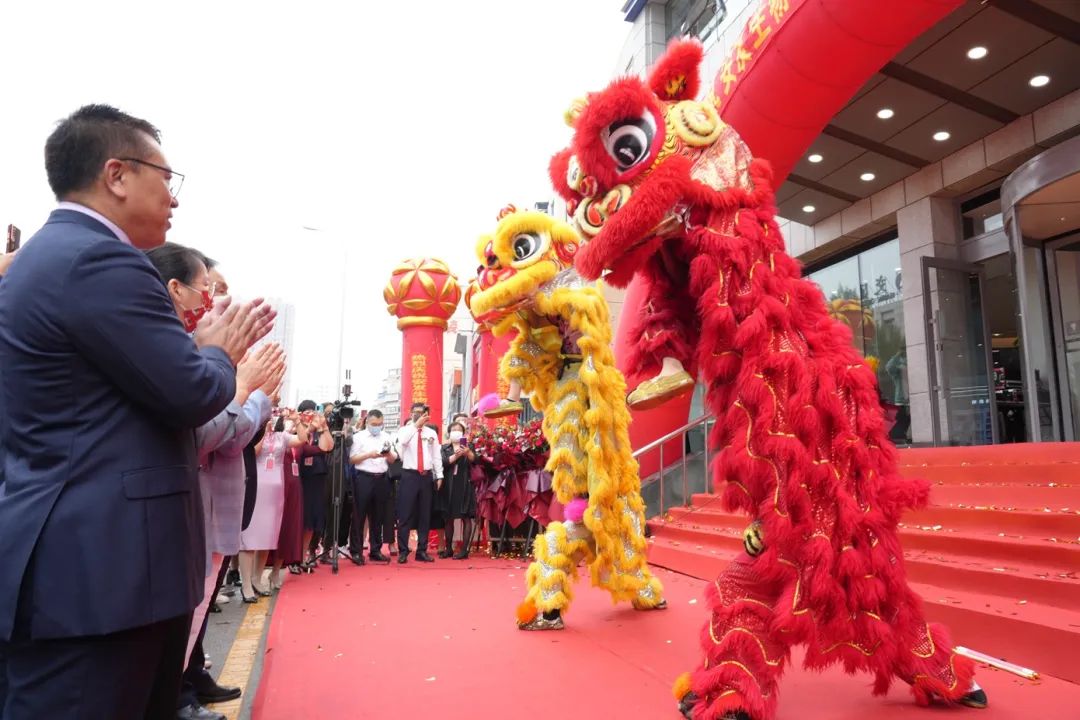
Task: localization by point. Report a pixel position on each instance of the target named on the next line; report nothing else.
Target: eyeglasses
(175, 179)
(212, 290)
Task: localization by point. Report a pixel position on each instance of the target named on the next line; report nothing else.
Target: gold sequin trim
(857, 646)
(923, 645)
(761, 645)
(772, 464)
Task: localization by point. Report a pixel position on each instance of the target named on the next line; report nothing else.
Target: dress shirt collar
(97, 216)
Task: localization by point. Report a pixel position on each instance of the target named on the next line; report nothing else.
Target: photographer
(313, 474)
(421, 475)
(371, 456)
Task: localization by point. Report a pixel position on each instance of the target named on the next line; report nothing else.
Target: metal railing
(705, 421)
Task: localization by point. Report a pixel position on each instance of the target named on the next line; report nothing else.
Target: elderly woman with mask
(219, 444)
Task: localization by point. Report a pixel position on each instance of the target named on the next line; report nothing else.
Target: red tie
(420, 452)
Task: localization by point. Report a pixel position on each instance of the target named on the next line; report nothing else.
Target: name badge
(270, 463)
(295, 468)
(308, 462)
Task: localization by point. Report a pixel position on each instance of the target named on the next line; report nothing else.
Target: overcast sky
(397, 129)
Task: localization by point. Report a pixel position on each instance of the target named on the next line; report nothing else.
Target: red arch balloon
(799, 63)
(796, 68)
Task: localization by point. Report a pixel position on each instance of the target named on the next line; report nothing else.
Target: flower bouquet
(511, 484)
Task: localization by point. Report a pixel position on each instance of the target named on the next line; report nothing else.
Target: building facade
(282, 333)
(388, 401)
(939, 212)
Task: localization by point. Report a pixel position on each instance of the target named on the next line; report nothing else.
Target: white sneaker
(207, 663)
(222, 599)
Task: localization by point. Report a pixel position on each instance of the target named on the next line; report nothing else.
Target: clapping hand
(257, 368)
(235, 328)
(272, 384)
(5, 262)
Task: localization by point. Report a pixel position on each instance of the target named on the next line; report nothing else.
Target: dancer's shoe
(658, 390)
(639, 605)
(504, 409)
(544, 623)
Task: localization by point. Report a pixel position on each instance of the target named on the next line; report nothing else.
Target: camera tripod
(338, 458)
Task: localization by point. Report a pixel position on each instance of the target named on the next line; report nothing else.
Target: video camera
(341, 412)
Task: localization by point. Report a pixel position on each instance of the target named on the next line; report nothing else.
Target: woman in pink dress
(262, 532)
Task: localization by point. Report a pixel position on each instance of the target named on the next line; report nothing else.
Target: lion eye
(628, 141)
(525, 246)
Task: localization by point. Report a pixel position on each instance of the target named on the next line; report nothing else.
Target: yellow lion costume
(562, 358)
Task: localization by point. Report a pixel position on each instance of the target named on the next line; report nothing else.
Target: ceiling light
(941, 136)
(1039, 81)
(815, 158)
(808, 208)
(867, 177)
(885, 113)
(977, 53)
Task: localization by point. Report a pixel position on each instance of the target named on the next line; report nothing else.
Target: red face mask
(191, 318)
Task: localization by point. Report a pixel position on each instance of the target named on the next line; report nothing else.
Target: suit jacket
(100, 389)
(221, 476)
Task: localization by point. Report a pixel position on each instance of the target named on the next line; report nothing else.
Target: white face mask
(456, 436)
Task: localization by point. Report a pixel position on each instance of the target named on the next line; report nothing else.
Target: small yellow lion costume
(562, 357)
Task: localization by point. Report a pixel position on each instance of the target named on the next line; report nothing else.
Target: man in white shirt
(371, 455)
(421, 476)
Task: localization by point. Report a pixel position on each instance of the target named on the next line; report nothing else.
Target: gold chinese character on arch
(742, 58)
(758, 28)
(779, 8)
(727, 77)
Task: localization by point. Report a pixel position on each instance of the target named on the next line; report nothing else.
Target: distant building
(388, 401)
(284, 328)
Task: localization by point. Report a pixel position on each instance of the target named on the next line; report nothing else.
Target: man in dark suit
(100, 386)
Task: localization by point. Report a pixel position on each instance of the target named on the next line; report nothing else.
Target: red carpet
(438, 641)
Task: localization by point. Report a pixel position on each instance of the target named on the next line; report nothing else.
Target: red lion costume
(666, 190)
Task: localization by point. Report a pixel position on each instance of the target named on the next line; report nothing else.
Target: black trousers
(414, 508)
(370, 491)
(128, 675)
(390, 513)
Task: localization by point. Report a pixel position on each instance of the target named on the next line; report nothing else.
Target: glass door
(959, 356)
(1063, 270)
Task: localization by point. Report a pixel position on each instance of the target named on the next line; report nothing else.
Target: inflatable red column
(422, 294)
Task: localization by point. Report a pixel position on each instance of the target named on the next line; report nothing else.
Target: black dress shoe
(215, 608)
(462, 555)
(198, 712)
(424, 557)
(402, 558)
(357, 559)
(214, 693)
(445, 554)
(378, 557)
